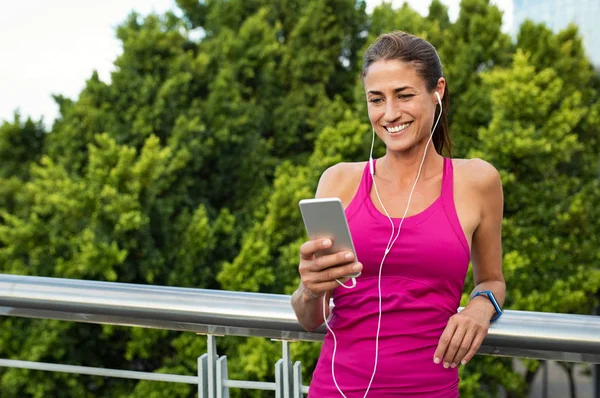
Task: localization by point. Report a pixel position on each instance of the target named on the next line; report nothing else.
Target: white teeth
(397, 128)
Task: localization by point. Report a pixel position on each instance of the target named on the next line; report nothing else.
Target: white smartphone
(325, 218)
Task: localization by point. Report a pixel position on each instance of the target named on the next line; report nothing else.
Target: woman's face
(401, 109)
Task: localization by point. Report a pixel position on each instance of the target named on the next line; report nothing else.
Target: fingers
(319, 274)
(308, 249)
(474, 347)
(459, 342)
(309, 263)
(332, 260)
(453, 347)
(314, 274)
(316, 284)
(463, 348)
(445, 340)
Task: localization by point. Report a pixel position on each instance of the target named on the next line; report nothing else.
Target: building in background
(557, 14)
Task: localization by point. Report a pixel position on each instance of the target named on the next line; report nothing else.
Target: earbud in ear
(439, 98)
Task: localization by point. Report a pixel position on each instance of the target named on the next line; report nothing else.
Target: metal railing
(574, 338)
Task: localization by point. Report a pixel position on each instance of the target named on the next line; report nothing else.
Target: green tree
(476, 44)
(550, 203)
(21, 145)
(97, 226)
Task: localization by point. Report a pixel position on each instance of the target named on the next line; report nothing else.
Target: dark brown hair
(422, 55)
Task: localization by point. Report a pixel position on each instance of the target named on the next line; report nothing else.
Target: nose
(392, 113)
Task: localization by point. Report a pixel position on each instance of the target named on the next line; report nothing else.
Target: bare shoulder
(341, 180)
(477, 174)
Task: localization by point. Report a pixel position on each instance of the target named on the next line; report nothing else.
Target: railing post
(221, 377)
(279, 390)
(545, 379)
(212, 365)
(596, 381)
(596, 367)
(297, 381)
(287, 369)
(283, 372)
(203, 376)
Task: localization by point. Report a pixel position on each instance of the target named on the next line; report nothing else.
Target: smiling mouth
(398, 129)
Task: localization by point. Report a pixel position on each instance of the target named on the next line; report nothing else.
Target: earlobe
(440, 90)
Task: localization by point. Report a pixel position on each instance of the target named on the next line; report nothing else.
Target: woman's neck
(401, 168)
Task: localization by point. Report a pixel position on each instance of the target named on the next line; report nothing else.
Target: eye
(405, 96)
(376, 100)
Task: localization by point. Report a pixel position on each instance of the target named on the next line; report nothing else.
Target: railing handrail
(517, 334)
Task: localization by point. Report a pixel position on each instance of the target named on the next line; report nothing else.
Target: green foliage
(478, 45)
(533, 139)
(186, 170)
(21, 143)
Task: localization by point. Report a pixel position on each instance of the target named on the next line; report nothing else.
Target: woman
(417, 219)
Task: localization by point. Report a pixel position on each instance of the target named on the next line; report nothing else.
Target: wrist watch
(492, 298)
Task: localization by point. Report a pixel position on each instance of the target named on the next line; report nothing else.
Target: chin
(399, 147)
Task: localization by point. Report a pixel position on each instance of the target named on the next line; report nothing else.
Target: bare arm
(466, 330)
(318, 276)
(487, 242)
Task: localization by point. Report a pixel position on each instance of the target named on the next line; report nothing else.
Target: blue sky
(52, 47)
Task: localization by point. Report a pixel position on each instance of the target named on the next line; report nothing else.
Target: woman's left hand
(464, 334)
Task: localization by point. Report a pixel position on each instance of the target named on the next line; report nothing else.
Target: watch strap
(493, 300)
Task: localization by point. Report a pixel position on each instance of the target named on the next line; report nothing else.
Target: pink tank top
(421, 283)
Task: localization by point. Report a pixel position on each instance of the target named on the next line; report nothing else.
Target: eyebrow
(397, 90)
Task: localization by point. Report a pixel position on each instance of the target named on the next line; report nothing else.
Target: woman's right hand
(318, 275)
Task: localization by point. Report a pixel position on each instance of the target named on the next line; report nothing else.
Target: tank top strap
(362, 193)
(447, 197)
(367, 181)
(448, 182)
